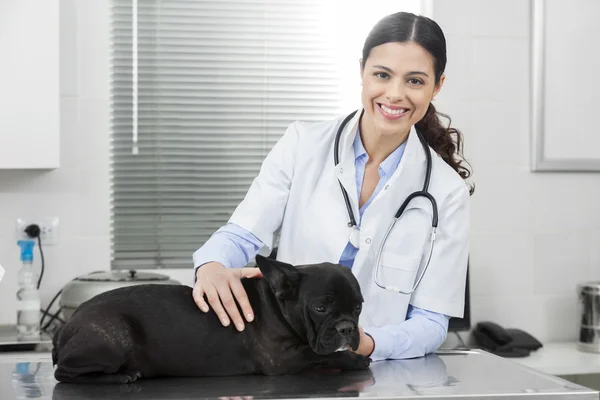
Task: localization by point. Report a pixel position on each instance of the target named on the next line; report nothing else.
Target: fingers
(250, 273)
(242, 299)
(215, 302)
(223, 291)
(230, 306)
(198, 294)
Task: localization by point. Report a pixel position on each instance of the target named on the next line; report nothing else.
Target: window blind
(216, 84)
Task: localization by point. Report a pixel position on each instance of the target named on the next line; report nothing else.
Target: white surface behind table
(562, 358)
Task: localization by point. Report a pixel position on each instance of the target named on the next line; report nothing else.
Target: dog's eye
(358, 307)
(319, 308)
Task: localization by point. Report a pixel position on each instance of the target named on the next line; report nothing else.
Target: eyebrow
(408, 73)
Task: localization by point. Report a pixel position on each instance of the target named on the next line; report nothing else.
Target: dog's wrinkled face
(322, 302)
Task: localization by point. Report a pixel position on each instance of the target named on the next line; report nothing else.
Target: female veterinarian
(334, 188)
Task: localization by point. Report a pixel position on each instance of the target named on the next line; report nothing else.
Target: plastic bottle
(26, 380)
(28, 296)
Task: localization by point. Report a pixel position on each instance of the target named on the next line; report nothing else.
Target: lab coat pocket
(408, 238)
(397, 270)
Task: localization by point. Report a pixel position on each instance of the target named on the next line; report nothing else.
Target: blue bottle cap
(26, 249)
(22, 368)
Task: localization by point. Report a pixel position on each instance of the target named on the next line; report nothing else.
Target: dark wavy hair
(408, 27)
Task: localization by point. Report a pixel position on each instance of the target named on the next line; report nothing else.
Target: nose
(395, 93)
(345, 328)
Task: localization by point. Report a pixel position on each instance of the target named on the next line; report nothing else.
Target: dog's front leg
(345, 360)
(304, 357)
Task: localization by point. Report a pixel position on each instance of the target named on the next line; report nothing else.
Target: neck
(282, 323)
(379, 146)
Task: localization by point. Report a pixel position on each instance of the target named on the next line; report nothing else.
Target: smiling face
(398, 83)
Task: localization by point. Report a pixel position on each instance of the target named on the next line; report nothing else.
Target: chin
(339, 343)
(389, 128)
(326, 347)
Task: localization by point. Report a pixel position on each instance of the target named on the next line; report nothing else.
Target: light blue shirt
(422, 333)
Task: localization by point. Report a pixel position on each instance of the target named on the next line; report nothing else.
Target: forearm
(231, 246)
(422, 333)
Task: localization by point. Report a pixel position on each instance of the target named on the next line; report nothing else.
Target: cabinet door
(29, 84)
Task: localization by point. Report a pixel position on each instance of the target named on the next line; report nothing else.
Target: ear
(439, 86)
(282, 277)
(361, 70)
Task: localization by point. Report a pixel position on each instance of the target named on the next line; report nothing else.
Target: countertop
(447, 374)
(562, 358)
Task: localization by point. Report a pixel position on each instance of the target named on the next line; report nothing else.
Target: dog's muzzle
(347, 330)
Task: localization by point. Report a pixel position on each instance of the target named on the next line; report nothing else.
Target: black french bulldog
(305, 316)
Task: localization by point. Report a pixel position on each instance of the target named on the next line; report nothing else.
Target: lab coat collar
(347, 139)
(345, 171)
(359, 148)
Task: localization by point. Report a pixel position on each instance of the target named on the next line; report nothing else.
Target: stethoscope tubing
(423, 193)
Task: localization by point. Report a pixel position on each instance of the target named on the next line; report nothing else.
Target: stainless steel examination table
(448, 374)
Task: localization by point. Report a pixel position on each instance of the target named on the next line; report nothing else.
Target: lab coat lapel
(345, 171)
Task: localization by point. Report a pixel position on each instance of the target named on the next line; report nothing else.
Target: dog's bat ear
(283, 278)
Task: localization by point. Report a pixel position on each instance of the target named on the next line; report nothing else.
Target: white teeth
(392, 112)
(344, 348)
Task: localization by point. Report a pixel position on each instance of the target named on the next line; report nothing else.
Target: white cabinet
(29, 84)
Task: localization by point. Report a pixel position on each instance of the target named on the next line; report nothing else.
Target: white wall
(78, 191)
(27, 142)
(532, 240)
(534, 235)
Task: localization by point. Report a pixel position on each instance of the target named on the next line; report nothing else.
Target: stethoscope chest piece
(355, 237)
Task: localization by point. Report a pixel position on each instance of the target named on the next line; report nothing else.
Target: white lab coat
(297, 192)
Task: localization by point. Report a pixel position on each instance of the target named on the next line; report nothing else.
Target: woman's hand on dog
(222, 287)
(366, 344)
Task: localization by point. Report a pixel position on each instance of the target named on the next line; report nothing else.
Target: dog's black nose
(345, 328)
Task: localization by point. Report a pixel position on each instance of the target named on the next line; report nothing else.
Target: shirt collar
(389, 165)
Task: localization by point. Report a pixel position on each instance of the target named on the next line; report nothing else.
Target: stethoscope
(355, 234)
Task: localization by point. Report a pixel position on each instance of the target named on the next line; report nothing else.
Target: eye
(320, 309)
(381, 75)
(415, 81)
(358, 307)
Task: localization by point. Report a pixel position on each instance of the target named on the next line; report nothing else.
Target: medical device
(355, 233)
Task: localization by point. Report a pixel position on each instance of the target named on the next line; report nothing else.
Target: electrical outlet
(48, 227)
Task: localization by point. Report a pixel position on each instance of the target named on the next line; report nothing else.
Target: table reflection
(414, 376)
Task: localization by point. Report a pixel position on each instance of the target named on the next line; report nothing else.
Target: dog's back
(144, 330)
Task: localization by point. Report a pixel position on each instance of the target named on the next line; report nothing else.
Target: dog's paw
(353, 361)
(129, 377)
(363, 362)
